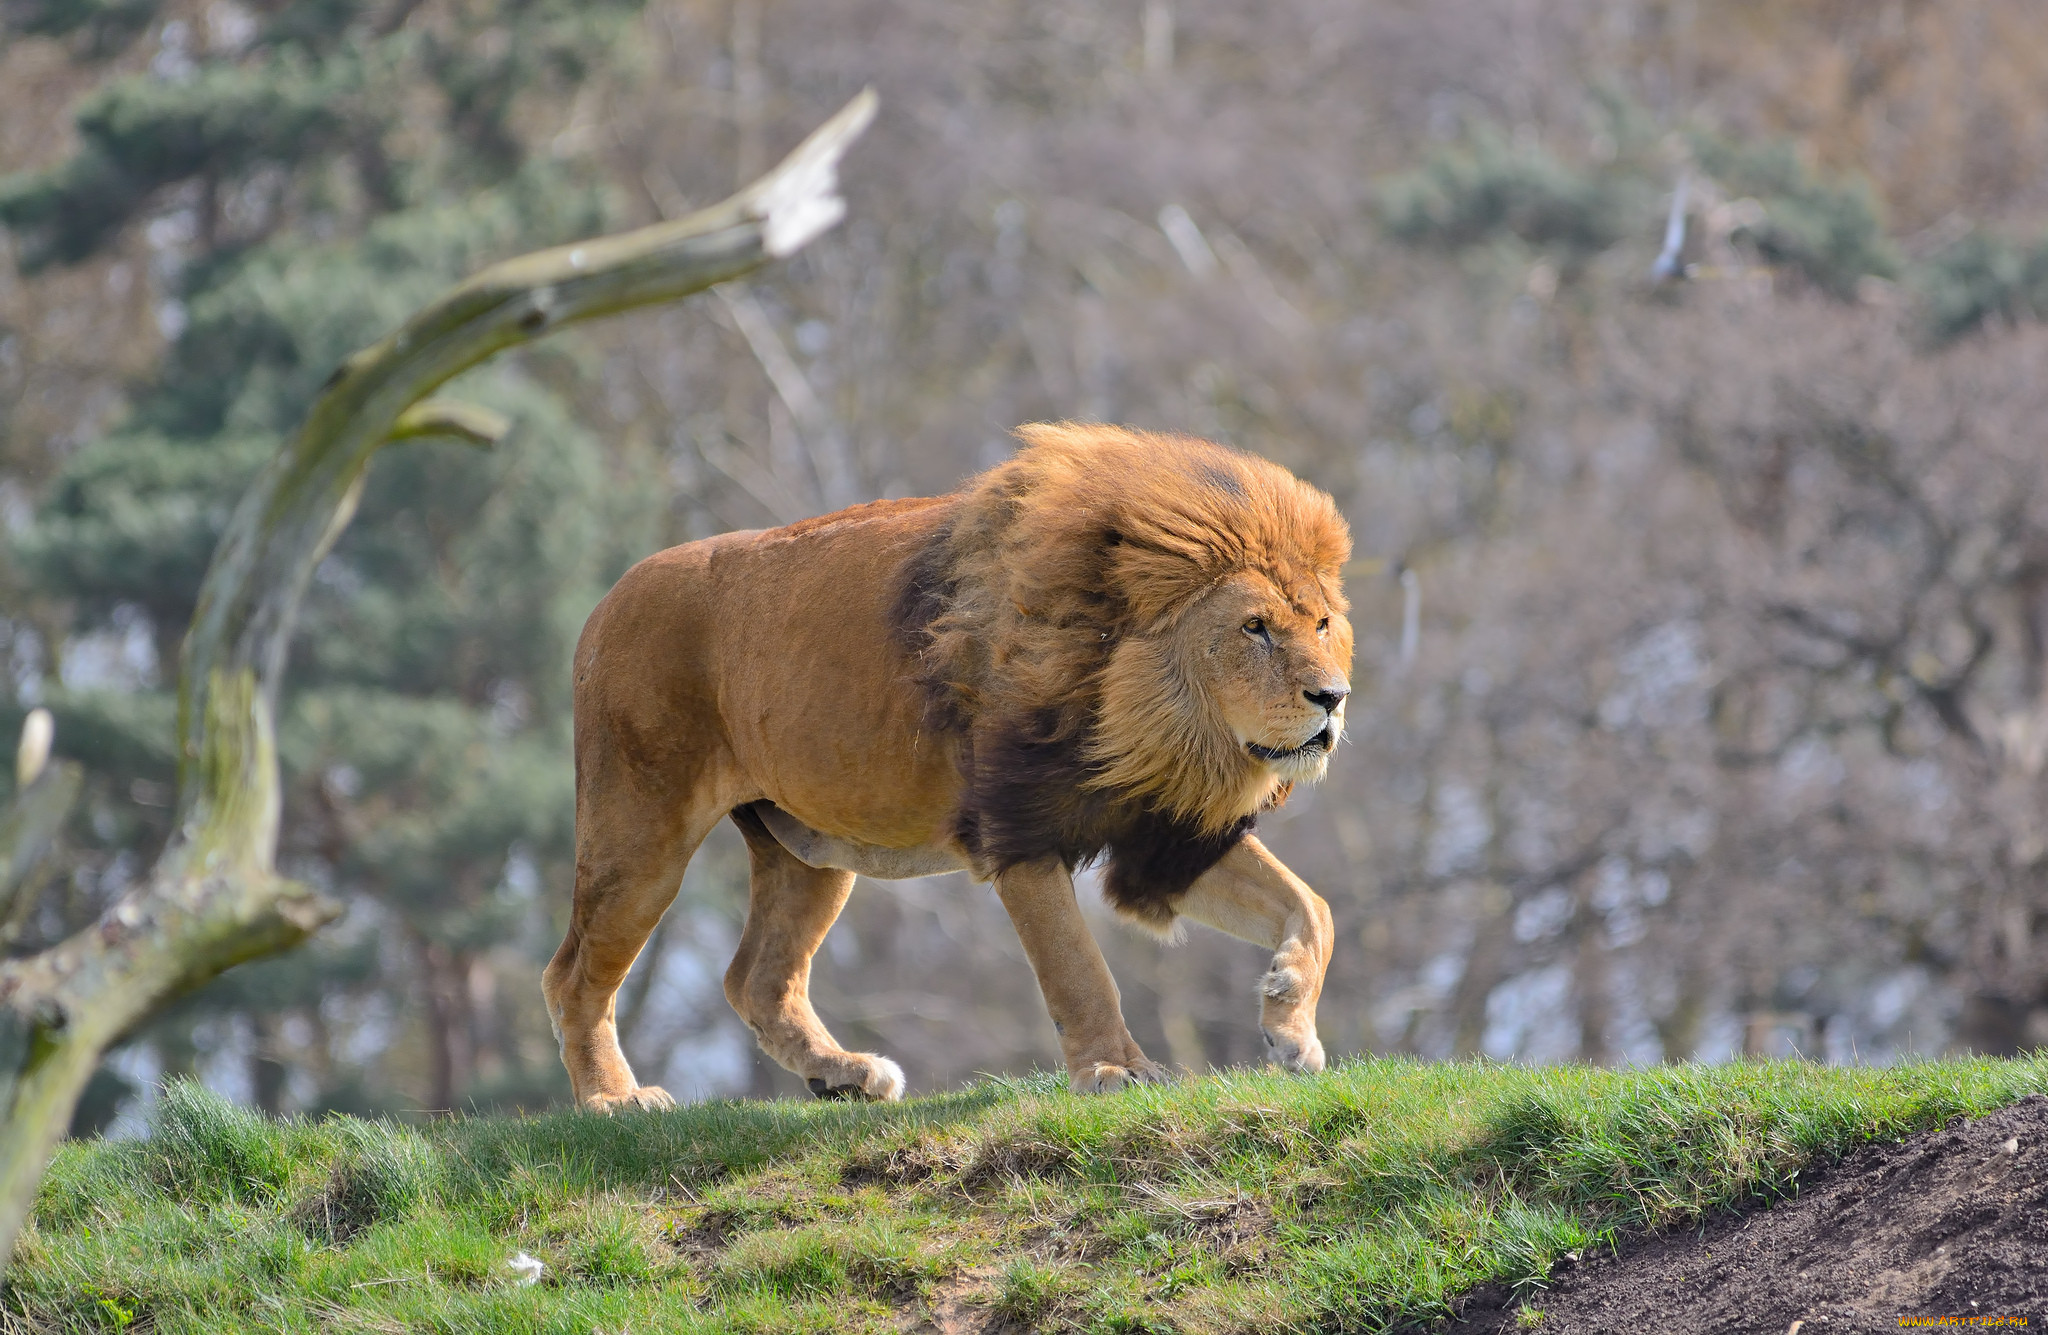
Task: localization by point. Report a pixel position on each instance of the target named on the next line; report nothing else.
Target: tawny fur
(1090, 646)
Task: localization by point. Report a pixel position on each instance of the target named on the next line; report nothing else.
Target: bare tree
(215, 898)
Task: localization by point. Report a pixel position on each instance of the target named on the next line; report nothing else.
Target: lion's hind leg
(631, 849)
(790, 907)
(1251, 895)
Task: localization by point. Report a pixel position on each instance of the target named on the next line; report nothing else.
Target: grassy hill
(1354, 1200)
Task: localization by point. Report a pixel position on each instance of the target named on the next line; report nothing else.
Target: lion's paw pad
(1106, 1078)
(1282, 985)
(651, 1098)
(866, 1079)
(1298, 1055)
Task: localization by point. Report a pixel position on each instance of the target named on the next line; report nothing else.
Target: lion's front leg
(1087, 1012)
(1252, 896)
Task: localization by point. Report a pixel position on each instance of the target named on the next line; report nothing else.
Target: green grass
(1352, 1201)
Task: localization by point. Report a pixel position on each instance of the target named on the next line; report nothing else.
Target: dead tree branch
(214, 898)
(44, 794)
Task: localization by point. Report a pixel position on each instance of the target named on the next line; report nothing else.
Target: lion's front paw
(1106, 1078)
(1302, 1054)
(859, 1075)
(649, 1097)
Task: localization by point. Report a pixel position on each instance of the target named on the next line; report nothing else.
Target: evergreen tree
(1982, 277)
(307, 202)
(1829, 231)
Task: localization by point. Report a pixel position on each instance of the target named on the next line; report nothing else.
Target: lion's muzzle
(1318, 745)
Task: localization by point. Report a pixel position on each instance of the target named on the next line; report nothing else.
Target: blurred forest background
(1702, 691)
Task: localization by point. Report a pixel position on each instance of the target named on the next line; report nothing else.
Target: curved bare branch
(214, 898)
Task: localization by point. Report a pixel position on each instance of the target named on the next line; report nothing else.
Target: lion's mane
(1038, 620)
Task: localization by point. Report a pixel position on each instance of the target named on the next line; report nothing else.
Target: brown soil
(1950, 1223)
(959, 1306)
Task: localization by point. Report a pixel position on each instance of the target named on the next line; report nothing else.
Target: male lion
(1113, 643)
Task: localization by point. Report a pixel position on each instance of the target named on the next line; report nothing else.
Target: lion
(1116, 644)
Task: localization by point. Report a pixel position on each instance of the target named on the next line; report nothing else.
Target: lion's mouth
(1314, 746)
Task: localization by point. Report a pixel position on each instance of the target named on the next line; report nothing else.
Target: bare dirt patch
(1946, 1224)
(959, 1305)
(704, 1239)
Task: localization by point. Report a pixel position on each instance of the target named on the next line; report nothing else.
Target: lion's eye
(1323, 626)
(1256, 628)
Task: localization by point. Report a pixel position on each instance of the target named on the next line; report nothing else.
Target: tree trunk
(1485, 969)
(267, 1070)
(214, 898)
(451, 1046)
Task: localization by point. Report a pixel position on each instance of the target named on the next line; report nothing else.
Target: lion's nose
(1328, 699)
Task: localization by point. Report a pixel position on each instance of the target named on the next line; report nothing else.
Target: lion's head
(1127, 629)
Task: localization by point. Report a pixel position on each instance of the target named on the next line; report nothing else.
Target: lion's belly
(866, 800)
(815, 849)
(817, 701)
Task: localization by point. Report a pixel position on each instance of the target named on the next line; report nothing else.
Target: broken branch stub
(214, 898)
(44, 793)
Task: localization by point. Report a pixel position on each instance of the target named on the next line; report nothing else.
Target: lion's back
(773, 652)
